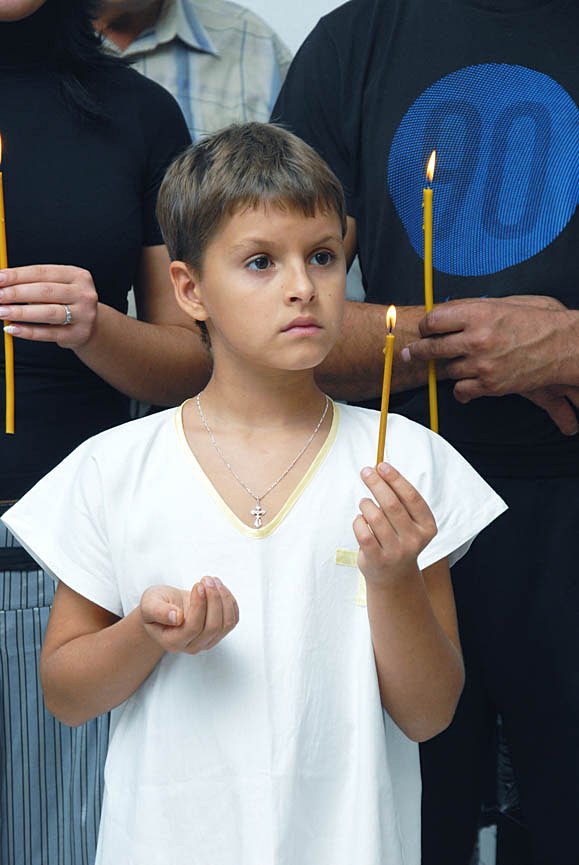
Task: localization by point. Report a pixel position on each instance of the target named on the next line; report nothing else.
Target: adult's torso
(494, 92)
(74, 195)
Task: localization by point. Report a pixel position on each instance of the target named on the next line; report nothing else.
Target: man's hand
(190, 622)
(496, 347)
(560, 402)
(392, 530)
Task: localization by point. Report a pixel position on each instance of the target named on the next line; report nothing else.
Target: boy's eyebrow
(337, 238)
(267, 241)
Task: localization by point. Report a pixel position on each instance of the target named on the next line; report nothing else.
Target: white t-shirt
(271, 748)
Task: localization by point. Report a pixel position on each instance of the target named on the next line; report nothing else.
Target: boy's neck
(257, 442)
(275, 401)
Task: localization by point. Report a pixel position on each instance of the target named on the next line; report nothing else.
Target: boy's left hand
(393, 532)
(189, 621)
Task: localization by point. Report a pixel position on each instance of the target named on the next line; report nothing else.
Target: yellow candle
(428, 291)
(8, 342)
(388, 358)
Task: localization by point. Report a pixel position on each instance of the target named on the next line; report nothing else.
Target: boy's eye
(262, 262)
(322, 258)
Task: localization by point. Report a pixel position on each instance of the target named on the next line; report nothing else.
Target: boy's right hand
(191, 622)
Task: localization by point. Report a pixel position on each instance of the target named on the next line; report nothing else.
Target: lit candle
(8, 342)
(428, 292)
(388, 357)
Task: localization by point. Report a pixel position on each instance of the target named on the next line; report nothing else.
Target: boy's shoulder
(411, 447)
(399, 427)
(120, 443)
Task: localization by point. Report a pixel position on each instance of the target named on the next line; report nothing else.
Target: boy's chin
(308, 360)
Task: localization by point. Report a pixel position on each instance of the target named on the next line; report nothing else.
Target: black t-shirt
(492, 85)
(85, 196)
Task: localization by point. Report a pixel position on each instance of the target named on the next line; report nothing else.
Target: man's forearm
(355, 367)
(569, 370)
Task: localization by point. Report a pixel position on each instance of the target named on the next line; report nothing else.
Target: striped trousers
(51, 776)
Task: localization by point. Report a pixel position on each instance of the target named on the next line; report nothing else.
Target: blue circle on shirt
(507, 174)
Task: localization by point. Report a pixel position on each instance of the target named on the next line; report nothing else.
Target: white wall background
(291, 19)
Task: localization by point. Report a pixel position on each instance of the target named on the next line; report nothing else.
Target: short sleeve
(311, 105)
(62, 523)
(460, 499)
(166, 136)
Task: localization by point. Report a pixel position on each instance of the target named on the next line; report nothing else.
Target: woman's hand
(393, 532)
(191, 622)
(49, 303)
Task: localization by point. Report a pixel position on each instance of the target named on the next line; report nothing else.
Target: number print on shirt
(507, 177)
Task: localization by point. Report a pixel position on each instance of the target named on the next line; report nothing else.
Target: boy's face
(272, 287)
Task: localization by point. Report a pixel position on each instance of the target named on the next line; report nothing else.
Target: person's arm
(522, 345)
(412, 614)
(569, 363)
(92, 661)
(355, 367)
(500, 346)
(472, 341)
(160, 359)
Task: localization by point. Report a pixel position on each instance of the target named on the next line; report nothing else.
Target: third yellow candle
(428, 290)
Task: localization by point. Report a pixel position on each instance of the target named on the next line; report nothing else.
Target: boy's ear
(187, 287)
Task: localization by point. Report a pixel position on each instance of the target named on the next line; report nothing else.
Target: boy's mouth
(304, 324)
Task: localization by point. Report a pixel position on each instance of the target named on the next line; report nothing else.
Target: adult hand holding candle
(8, 341)
(388, 358)
(428, 290)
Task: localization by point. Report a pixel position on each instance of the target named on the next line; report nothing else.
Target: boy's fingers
(213, 628)
(378, 520)
(393, 507)
(230, 608)
(173, 616)
(161, 613)
(160, 605)
(364, 535)
(195, 618)
(407, 495)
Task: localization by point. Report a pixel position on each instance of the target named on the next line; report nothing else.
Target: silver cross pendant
(258, 512)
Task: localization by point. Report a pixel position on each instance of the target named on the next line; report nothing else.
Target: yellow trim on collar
(270, 527)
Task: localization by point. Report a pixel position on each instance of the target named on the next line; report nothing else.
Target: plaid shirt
(220, 61)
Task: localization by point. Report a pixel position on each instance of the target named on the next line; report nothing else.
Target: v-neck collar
(271, 526)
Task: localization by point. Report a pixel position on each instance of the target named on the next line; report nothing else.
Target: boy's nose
(300, 286)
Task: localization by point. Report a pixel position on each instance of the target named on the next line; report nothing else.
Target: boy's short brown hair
(243, 165)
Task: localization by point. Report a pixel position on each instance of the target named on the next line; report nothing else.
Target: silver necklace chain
(258, 512)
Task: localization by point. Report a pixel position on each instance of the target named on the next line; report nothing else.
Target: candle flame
(391, 318)
(430, 166)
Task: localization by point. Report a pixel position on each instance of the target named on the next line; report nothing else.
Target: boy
(260, 740)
